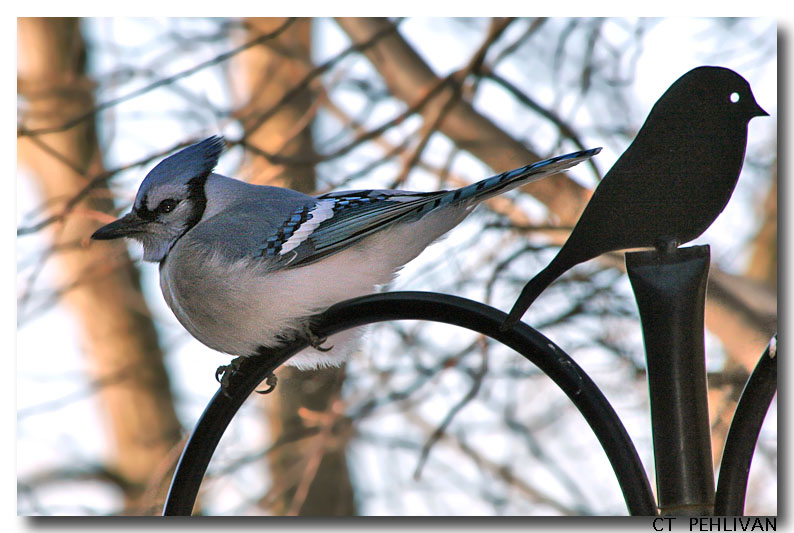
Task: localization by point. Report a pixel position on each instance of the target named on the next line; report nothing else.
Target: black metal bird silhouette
(670, 183)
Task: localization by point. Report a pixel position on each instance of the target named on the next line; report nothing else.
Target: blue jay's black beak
(126, 226)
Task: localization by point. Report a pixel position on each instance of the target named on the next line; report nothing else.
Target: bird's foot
(315, 341)
(225, 373)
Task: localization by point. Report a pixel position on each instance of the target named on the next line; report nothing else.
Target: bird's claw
(271, 381)
(225, 373)
(315, 341)
(317, 344)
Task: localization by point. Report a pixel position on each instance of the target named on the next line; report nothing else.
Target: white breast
(237, 306)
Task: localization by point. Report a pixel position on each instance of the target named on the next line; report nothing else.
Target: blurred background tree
(426, 419)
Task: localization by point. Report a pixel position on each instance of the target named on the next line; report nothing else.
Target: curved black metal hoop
(743, 435)
(454, 310)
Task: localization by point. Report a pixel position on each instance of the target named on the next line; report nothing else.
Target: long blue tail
(482, 190)
(511, 179)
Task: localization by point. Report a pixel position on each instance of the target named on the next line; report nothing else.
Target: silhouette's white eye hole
(735, 98)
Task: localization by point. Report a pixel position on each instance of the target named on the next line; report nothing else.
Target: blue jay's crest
(193, 163)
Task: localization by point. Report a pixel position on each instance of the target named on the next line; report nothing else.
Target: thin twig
(566, 130)
(440, 431)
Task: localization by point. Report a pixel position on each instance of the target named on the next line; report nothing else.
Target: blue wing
(340, 219)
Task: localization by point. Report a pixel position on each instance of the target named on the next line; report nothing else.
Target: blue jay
(243, 266)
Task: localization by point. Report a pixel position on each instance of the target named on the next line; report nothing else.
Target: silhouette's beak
(758, 111)
(126, 226)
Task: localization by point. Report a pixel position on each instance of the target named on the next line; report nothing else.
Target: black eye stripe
(145, 213)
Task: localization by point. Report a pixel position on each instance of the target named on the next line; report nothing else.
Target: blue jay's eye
(166, 206)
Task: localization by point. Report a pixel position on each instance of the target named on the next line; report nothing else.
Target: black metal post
(743, 435)
(670, 289)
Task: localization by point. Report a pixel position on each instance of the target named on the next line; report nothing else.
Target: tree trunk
(118, 335)
(310, 476)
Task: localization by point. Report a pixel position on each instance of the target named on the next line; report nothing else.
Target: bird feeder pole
(670, 289)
